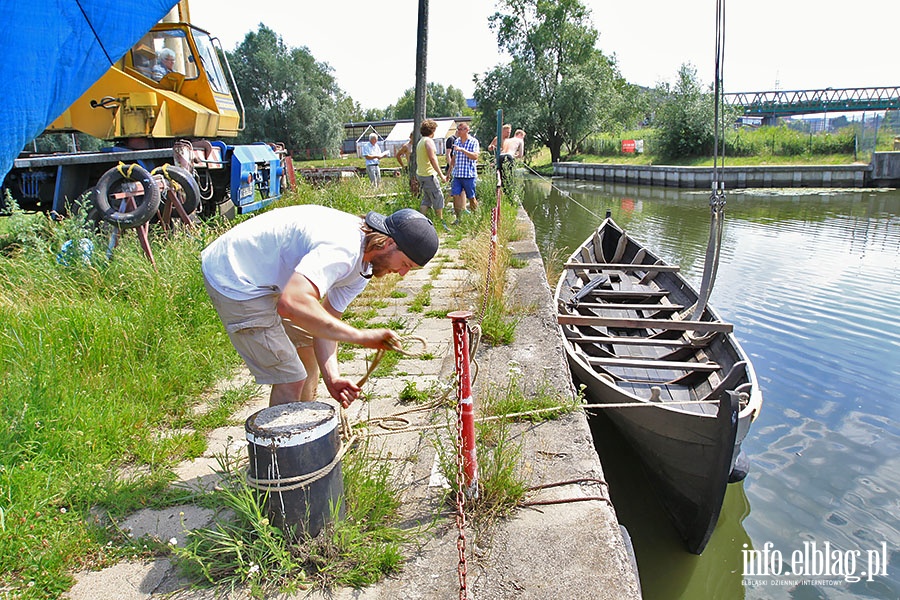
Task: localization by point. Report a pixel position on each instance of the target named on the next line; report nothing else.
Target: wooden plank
(646, 323)
(621, 267)
(635, 306)
(618, 294)
(629, 341)
(653, 364)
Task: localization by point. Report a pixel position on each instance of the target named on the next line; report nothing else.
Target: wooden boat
(632, 338)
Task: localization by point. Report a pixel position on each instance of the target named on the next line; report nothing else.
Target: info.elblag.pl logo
(815, 561)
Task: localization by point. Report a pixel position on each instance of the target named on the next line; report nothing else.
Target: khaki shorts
(432, 196)
(267, 343)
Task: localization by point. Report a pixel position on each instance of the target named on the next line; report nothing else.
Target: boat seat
(625, 341)
(645, 323)
(654, 364)
(630, 267)
(620, 294)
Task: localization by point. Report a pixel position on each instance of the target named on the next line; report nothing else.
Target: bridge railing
(812, 101)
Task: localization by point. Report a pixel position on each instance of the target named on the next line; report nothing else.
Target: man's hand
(380, 339)
(343, 390)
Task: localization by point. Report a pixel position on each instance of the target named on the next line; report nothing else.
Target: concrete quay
(565, 551)
(741, 177)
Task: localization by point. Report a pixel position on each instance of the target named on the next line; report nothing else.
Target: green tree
(65, 142)
(439, 102)
(685, 117)
(288, 96)
(557, 86)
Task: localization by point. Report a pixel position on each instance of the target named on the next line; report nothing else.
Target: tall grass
(780, 142)
(245, 549)
(473, 237)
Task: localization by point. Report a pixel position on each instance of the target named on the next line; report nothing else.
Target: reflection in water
(811, 280)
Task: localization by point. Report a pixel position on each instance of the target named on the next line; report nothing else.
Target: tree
(558, 86)
(685, 117)
(439, 102)
(288, 96)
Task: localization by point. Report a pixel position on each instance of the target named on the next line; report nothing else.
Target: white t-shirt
(258, 256)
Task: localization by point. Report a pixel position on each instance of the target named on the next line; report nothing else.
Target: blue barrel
(290, 444)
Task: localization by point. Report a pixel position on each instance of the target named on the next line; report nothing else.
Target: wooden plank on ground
(645, 323)
(621, 267)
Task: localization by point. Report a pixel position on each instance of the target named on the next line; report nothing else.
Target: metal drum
(295, 465)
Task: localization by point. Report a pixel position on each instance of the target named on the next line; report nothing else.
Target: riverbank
(569, 549)
(883, 171)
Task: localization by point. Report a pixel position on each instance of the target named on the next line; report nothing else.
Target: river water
(811, 281)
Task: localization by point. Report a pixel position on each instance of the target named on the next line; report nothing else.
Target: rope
(125, 170)
(563, 192)
(717, 195)
(526, 413)
(566, 500)
(399, 346)
(402, 346)
(286, 484)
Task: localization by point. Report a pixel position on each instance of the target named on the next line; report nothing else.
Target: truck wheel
(119, 179)
(186, 187)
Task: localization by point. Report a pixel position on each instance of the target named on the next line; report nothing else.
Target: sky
(769, 44)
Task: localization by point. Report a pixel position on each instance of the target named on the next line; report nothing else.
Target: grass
(765, 146)
(421, 299)
(473, 238)
(501, 486)
(246, 549)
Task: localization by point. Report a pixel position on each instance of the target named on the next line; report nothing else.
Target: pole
(421, 90)
(464, 404)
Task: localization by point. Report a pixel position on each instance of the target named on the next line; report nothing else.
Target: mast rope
(717, 194)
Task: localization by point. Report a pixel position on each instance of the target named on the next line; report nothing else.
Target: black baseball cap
(413, 232)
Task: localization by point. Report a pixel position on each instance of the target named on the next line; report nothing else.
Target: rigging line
(563, 192)
(718, 92)
(717, 193)
(94, 31)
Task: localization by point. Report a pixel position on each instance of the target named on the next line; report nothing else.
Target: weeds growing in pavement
(244, 548)
(422, 299)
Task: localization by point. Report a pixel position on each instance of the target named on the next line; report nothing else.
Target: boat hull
(690, 390)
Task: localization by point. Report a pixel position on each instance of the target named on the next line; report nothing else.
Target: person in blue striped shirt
(465, 159)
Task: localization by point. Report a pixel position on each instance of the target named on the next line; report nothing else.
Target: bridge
(778, 103)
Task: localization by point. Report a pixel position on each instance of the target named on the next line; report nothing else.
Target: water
(811, 281)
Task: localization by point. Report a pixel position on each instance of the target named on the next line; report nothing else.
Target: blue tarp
(53, 51)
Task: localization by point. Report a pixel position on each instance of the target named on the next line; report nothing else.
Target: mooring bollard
(295, 465)
(465, 404)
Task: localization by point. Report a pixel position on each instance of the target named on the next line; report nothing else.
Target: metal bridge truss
(798, 102)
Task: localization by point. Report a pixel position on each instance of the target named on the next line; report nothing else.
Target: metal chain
(495, 226)
(461, 568)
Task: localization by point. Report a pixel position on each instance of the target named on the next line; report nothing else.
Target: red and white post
(464, 403)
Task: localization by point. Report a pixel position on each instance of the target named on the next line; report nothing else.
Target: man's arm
(340, 388)
(300, 304)
(403, 151)
(432, 157)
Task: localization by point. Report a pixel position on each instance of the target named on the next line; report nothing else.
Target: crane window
(159, 52)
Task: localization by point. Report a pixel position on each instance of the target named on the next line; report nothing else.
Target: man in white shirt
(281, 280)
(373, 154)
